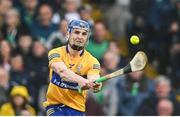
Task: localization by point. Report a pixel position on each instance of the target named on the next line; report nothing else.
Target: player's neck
(73, 52)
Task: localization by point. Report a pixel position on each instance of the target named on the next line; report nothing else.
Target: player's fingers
(91, 84)
(96, 85)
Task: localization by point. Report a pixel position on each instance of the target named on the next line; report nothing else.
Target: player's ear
(67, 36)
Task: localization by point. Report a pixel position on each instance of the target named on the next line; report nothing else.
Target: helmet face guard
(78, 24)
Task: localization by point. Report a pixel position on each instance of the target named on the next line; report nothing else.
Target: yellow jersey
(60, 91)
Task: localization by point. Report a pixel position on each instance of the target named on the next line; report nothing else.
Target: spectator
(37, 70)
(162, 90)
(132, 91)
(57, 9)
(107, 104)
(18, 103)
(18, 74)
(5, 54)
(12, 27)
(4, 85)
(5, 5)
(119, 10)
(176, 9)
(110, 101)
(27, 9)
(71, 10)
(85, 12)
(108, 64)
(58, 38)
(114, 48)
(24, 46)
(160, 15)
(98, 44)
(42, 27)
(165, 107)
(174, 53)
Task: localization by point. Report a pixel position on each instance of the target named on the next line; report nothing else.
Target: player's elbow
(58, 68)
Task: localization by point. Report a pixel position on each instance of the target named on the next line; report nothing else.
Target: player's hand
(85, 84)
(97, 87)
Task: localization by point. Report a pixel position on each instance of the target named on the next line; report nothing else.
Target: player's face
(78, 37)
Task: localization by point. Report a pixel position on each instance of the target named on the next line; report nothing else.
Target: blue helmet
(78, 24)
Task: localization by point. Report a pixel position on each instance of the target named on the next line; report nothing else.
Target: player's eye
(77, 32)
(84, 33)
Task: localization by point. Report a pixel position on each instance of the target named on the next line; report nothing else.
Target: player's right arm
(58, 66)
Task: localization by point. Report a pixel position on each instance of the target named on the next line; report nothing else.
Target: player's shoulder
(90, 56)
(57, 50)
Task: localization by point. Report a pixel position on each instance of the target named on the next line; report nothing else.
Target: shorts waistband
(55, 106)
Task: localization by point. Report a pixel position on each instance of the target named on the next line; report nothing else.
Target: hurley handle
(99, 80)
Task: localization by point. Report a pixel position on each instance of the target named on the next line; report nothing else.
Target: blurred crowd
(30, 28)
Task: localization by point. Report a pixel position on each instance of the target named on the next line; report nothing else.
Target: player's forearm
(66, 73)
(70, 75)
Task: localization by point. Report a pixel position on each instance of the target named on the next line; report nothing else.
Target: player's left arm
(94, 73)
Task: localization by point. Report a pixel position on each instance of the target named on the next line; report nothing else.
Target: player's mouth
(78, 41)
